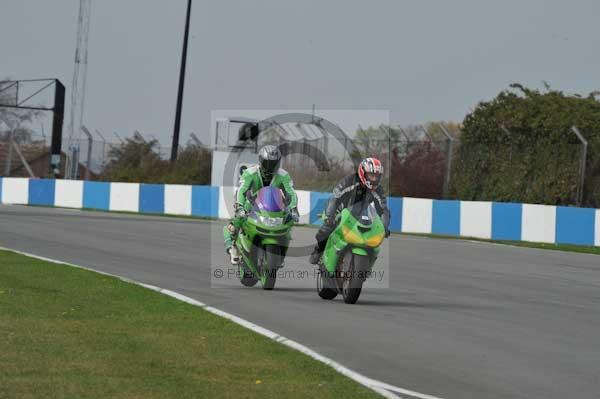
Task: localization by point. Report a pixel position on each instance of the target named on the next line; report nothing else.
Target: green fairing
(255, 237)
(336, 244)
(350, 253)
(360, 251)
(252, 180)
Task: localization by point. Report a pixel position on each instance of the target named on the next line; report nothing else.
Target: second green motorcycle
(351, 252)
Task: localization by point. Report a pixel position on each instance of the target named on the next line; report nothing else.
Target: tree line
(138, 160)
(520, 147)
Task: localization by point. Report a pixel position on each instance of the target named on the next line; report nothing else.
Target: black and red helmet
(370, 172)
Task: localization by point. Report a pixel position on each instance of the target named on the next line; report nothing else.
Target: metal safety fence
(419, 162)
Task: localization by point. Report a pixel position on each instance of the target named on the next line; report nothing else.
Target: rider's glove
(241, 212)
(295, 215)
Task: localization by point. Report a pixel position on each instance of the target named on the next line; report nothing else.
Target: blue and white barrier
(489, 220)
(129, 197)
(497, 221)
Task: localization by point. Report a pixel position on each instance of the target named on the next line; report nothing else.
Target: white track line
(386, 390)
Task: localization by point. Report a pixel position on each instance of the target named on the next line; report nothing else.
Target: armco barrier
(489, 220)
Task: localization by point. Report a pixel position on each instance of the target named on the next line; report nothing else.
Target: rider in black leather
(349, 191)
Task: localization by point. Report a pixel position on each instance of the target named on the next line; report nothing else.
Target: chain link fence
(415, 168)
(417, 161)
(430, 163)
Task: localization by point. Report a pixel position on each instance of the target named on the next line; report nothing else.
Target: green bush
(193, 166)
(520, 147)
(139, 161)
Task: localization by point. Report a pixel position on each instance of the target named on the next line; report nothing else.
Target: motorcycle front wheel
(247, 278)
(271, 263)
(352, 282)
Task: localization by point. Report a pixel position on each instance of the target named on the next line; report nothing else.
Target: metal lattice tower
(79, 73)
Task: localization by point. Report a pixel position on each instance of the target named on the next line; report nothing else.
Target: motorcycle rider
(349, 191)
(266, 173)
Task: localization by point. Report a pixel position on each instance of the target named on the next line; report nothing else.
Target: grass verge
(71, 333)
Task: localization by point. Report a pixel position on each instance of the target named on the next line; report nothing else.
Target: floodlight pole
(176, 129)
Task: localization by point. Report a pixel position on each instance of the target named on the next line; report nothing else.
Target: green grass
(70, 333)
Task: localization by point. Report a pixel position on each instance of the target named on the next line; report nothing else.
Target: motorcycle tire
(352, 284)
(271, 263)
(323, 288)
(247, 279)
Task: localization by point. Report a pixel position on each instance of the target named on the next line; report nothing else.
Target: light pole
(175, 146)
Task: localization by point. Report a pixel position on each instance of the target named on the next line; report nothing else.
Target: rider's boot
(316, 255)
(233, 255)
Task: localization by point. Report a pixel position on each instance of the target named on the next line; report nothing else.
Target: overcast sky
(420, 60)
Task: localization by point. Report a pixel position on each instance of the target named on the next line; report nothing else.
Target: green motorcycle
(264, 238)
(350, 253)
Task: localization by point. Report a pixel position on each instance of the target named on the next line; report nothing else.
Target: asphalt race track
(460, 319)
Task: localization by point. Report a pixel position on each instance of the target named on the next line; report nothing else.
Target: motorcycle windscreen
(364, 212)
(270, 199)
